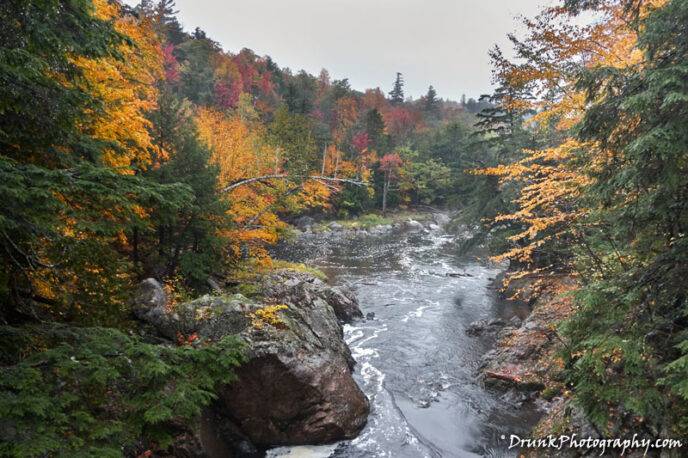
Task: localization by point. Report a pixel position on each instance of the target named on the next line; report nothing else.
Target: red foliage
(360, 141)
(227, 93)
(265, 84)
(391, 162)
(170, 63)
(248, 74)
(399, 121)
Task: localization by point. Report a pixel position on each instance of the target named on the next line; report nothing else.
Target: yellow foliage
(268, 315)
(550, 180)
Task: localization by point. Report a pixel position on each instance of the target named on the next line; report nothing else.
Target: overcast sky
(438, 42)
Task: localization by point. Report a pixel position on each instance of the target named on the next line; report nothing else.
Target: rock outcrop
(524, 354)
(296, 387)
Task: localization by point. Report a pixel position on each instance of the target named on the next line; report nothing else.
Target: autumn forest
(133, 149)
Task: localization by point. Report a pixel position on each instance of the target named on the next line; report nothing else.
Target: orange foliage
(239, 150)
(127, 88)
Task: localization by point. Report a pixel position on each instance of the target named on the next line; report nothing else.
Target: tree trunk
(385, 188)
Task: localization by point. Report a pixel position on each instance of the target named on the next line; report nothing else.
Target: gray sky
(438, 42)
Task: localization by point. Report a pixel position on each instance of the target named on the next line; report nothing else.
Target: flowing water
(414, 361)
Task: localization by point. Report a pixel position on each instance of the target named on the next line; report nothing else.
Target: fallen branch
(246, 181)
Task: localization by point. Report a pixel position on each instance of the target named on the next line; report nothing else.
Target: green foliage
(185, 240)
(38, 112)
(629, 336)
(426, 182)
(80, 211)
(95, 391)
(292, 133)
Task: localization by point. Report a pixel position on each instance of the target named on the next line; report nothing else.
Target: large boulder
(296, 387)
(295, 287)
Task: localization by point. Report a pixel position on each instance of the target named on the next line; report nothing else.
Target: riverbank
(376, 222)
(525, 363)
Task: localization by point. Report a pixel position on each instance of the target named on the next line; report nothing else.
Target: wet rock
(335, 226)
(370, 316)
(343, 300)
(440, 219)
(433, 227)
(296, 387)
(304, 222)
(515, 321)
(480, 327)
(476, 328)
(413, 225)
(496, 322)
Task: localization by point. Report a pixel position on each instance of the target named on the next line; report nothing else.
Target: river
(414, 361)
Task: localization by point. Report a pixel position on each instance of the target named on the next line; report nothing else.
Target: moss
(247, 275)
(299, 267)
(550, 392)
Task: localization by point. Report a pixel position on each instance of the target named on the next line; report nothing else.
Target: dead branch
(321, 178)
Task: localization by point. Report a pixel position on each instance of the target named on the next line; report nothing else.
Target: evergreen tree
(431, 104)
(183, 240)
(165, 22)
(396, 95)
(375, 128)
(634, 306)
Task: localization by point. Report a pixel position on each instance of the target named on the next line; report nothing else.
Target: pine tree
(184, 240)
(375, 128)
(431, 104)
(634, 309)
(396, 95)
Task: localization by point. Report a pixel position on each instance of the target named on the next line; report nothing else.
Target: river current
(414, 360)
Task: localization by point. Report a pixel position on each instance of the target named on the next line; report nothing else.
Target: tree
(165, 23)
(291, 133)
(629, 335)
(390, 165)
(396, 95)
(186, 240)
(430, 103)
(375, 128)
(62, 207)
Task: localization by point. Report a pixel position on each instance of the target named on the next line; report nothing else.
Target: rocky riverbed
(415, 361)
(434, 362)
